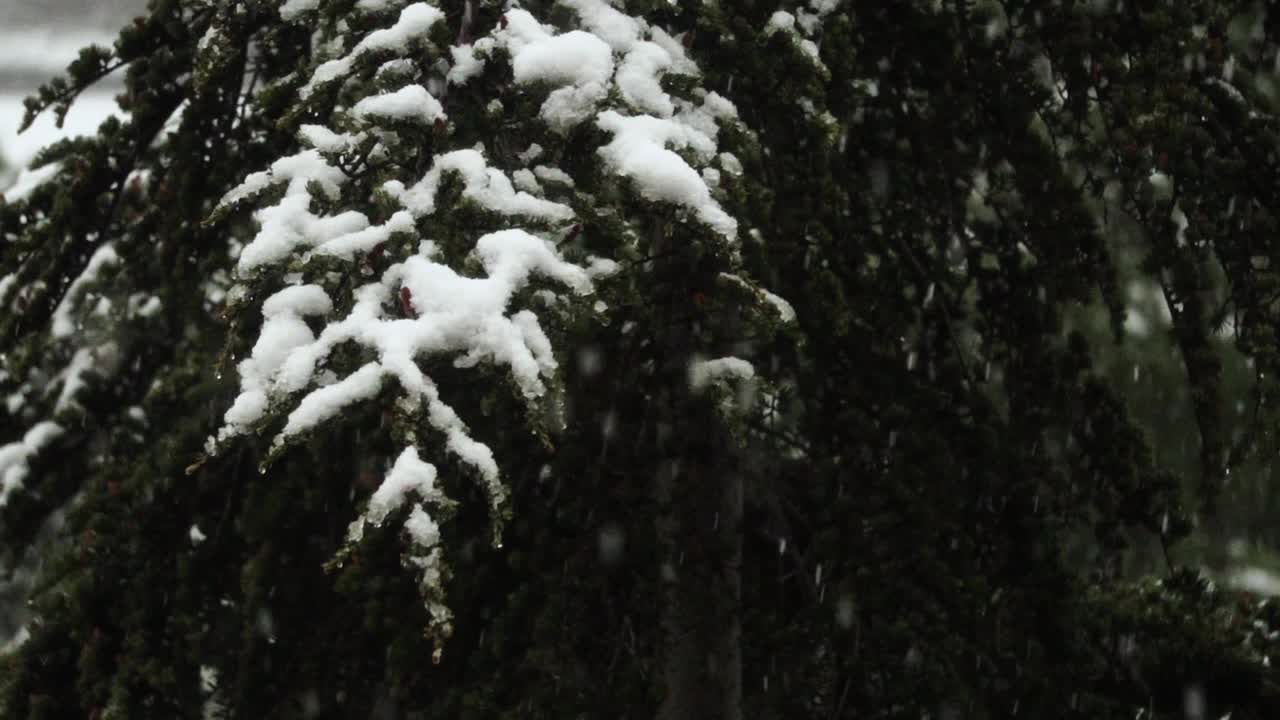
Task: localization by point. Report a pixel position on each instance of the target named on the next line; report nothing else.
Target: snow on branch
(414, 23)
(15, 457)
(396, 287)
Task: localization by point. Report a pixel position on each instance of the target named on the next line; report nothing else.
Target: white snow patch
(411, 102)
(377, 5)
(63, 325)
(705, 372)
(553, 174)
(618, 29)
(780, 21)
(366, 239)
(290, 224)
(15, 457)
(409, 474)
(324, 403)
(578, 64)
(468, 60)
(639, 151)
(638, 79)
(18, 640)
(489, 187)
(786, 313)
(292, 9)
(28, 181)
(574, 58)
(327, 141)
(415, 22)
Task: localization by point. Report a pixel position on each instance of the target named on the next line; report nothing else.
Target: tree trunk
(699, 496)
(700, 529)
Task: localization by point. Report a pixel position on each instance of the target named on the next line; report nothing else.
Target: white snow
(73, 381)
(619, 30)
(578, 64)
(489, 187)
(15, 457)
(376, 5)
(568, 107)
(298, 300)
(730, 163)
(291, 224)
(283, 330)
(452, 314)
(297, 170)
(639, 151)
(411, 102)
(553, 174)
(415, 22)
(809, 22)
(468, 60)
(293, 9)
(410, 474)
(780, 21)
(63, 324)
(574, 58)
(327, 141)
(145, 308)
(533, 152)
(430, 306)
(423, 530)
(324, 403)
(602, 267)
(705, 372)
(638, 79)
(362, 241)
(681, 63)
(7, 284)
(27, 182)
(525, 180)
(18, 640)
(786, 313)
(403, 67)
(784, 309)
(785, 23)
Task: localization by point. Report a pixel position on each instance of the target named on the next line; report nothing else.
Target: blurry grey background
(93, 13)
(37, 40)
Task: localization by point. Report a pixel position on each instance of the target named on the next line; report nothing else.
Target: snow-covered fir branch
(360, 253)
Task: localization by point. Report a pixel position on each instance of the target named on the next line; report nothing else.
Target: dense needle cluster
(578, 358)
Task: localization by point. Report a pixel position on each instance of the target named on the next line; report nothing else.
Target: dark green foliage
(954, 500)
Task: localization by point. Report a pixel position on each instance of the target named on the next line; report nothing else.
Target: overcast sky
(100, 14)
(39, 37)
(37, 40)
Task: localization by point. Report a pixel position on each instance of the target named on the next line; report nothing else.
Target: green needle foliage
(572, 358)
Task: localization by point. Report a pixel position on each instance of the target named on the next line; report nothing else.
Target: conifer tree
(431, 359)
(445, 193)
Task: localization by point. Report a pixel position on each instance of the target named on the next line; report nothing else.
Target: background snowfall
(39, 37)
